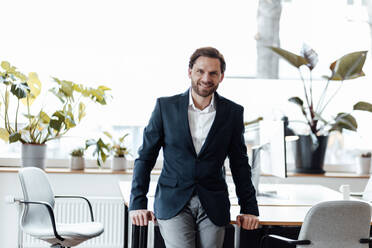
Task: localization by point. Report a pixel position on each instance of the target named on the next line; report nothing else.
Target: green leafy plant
(117, 147)
(78, 152)
(347, 67)
(41, 126)
(101, 150)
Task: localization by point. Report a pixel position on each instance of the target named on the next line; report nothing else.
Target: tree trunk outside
(268, 21)
(369, 10)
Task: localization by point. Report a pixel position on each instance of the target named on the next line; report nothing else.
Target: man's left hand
(247, 221)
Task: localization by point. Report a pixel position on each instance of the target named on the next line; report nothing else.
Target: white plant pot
(363, 165)
(77, 163)
(118, 163)
(33, 155)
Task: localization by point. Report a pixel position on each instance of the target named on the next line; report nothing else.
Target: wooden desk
(287, 207)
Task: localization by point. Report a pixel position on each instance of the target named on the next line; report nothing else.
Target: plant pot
(118, 163)
(309, 155)
(33, 155)
(363, 165)
(77, 163)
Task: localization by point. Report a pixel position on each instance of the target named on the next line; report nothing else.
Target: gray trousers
(191, 228)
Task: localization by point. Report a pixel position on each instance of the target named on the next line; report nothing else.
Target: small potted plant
(119, 152)
(363, 163)
(77, 161)
(101, 150)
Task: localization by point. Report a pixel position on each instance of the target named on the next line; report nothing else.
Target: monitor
(269, 156)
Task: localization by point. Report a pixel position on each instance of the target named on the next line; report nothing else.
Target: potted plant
(40, 126)
(101, 150)
(363, 163)
(77, 161)
(119, 152)
(310, 149)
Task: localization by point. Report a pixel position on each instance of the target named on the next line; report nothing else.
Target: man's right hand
(141, 217)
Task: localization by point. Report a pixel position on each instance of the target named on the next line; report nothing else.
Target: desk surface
(287, 207)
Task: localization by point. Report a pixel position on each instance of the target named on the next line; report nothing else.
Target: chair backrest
(335, 224)
(36, 187)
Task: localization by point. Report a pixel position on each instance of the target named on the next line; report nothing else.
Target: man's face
(205, 76)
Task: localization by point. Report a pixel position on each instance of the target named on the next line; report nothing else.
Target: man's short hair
(209, 52)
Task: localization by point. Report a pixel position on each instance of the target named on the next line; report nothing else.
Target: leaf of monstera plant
(344, 121)
(365, 106)
(45, 119)
(82, 112)
(34, 84)
(291, 58)
(348, 66)
(20, 90)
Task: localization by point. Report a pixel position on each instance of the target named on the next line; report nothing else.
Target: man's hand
(141, 217)
(247, 221)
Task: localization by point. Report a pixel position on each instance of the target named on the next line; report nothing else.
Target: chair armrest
(365, 241)
(285, 240)
(80, 197)
(51, 215)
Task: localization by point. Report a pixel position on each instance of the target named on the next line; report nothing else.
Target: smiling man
(197, 131)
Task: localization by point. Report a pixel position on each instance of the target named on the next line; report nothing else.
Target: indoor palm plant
(39, 125)
(311, 148)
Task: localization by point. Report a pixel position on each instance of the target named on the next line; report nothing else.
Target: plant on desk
(116, 148)
(77, 161)
(118, 151)
(39, 127)
(310, 149)
(363, 163)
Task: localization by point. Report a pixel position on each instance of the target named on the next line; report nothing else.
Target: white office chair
(38, 216)
(333, 224)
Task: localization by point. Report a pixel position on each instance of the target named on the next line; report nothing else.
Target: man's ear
(189, 72)
(222, 77)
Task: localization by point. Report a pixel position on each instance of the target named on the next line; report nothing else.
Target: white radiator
(109, 211)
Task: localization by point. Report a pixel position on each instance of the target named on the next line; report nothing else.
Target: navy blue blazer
(184, 171)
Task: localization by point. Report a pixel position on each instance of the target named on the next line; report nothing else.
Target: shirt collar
(210, 107)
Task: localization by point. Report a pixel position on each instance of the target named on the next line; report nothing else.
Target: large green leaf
(14, 137)
(344, 121)
(44, 117)
(348, 66)
(365, 106)
(20, 90)
(291, 58)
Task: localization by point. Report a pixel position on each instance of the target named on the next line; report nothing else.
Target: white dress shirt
(200, 122)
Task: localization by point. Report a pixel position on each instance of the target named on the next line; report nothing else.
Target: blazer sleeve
(153, 139)
(240, 169)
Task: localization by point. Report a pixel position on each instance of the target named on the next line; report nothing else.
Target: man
(197, 131)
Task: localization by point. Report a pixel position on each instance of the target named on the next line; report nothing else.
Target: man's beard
(199, 90)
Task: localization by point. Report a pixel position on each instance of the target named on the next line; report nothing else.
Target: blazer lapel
(184, 118)
(216, 123)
